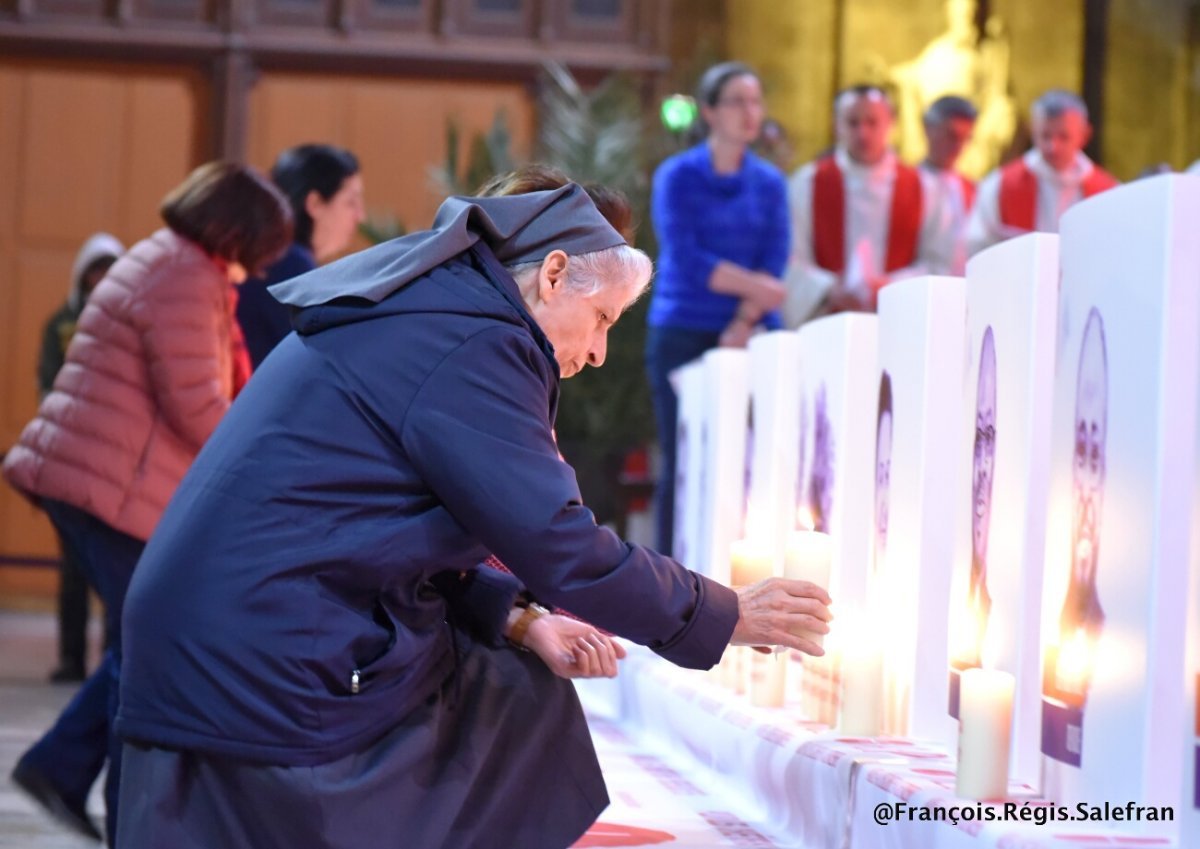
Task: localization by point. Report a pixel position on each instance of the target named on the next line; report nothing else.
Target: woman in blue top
(721, 217)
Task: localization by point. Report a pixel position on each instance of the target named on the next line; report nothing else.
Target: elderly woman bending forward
(314, 657)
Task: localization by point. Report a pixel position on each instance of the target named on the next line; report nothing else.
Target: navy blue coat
(335, 518)
(263, 319)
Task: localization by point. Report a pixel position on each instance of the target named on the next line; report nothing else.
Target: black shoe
(67, 674)
(41, 791)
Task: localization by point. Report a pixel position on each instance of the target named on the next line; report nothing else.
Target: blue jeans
(71, 754)
(668, 348)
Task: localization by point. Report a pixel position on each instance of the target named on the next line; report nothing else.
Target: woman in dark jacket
(314, 657)
(325, 189)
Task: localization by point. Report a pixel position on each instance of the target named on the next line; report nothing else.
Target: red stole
(1019, 190)
(829, 217)
(968, 190)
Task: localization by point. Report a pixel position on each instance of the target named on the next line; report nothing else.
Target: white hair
(587, 274)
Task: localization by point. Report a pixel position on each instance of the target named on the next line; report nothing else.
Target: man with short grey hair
(1032, 193)
(861, 218)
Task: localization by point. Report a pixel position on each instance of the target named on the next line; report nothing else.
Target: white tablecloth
(813, 789)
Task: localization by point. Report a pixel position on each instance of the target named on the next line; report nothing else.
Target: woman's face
(738, 114)
(576, 324)
(336, 220)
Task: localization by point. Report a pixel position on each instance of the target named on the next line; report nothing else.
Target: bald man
(1032, 193)
(861, 218)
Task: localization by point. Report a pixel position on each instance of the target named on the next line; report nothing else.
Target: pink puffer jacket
(147, 377)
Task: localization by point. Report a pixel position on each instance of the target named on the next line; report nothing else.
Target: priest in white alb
(861, 217)
(949, 122)
(1032, 193)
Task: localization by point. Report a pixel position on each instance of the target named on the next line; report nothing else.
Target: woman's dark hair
(233, 212)
(320, 168)
(536, 177)
(708, 90)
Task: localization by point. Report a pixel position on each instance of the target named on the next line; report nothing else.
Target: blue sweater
(701, 218)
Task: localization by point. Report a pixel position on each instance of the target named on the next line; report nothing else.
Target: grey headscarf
(518, 229)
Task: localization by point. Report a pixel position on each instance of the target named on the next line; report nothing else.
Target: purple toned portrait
(1081, 613)
(821, 490)
(883, 468)
(978, 606)
(983, 466)
(1069, 659)
(802, 510)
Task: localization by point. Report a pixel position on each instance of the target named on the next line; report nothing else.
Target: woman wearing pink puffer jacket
(156, 359)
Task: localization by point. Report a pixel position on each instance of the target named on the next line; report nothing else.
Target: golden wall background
(807, 49)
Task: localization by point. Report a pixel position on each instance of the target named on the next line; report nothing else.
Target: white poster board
(1000, 496)
(1122, 463)
(775, 402)
(915, 422)
(838, 373)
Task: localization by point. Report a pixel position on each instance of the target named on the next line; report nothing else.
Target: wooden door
(83, 148)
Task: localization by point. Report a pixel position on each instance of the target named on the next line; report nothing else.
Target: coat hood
(517, 229)
(473, 283)
(98, 246)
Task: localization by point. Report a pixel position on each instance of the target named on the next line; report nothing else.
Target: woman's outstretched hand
(782, 612)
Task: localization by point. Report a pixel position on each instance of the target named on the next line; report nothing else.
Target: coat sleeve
(480, 600)
(478, 432)
(183, 328)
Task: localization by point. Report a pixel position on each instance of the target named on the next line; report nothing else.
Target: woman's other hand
(573, 649)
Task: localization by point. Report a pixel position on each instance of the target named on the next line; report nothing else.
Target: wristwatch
(532, 611)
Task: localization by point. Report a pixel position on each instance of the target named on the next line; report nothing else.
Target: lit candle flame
(1074, 663)
(966, 626)
(804, 519)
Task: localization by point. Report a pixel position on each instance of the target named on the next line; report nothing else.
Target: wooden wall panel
(71, 163)
(11, 96)
(161, 145)
(82, 149)
(397, 128)
(287, 109)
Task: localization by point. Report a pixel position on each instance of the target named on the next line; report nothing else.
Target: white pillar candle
(750, 560)
(984, 732)
(808, 556)
(860, 711)
(768, 677)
